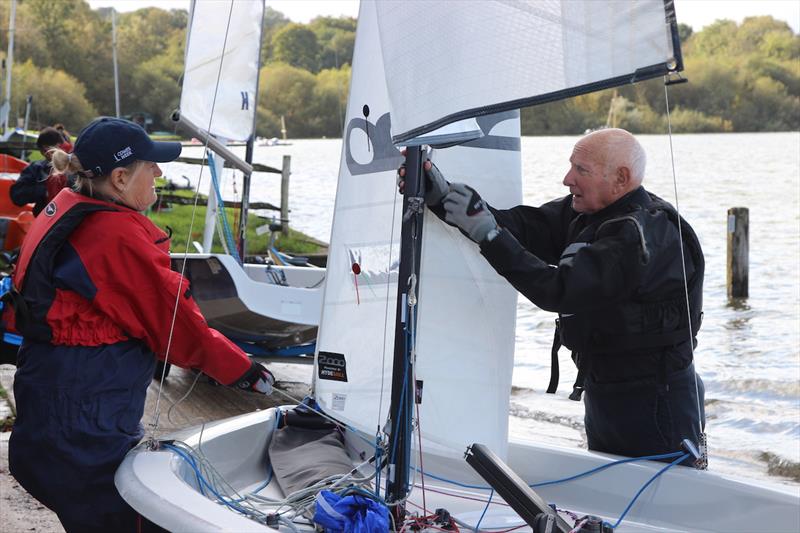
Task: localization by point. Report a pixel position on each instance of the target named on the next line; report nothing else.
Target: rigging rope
(230, 247)
(703, 462)
(153, 426)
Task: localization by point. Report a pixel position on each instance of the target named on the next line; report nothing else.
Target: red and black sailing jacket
(94, 273)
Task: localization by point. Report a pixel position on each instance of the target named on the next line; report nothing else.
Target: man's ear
(622, 179)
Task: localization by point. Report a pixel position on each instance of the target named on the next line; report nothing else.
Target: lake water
(748, 354)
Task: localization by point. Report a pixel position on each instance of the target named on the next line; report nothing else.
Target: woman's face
(139, 191)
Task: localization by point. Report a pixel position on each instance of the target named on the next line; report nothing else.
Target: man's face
(587, 179)
(46, 153)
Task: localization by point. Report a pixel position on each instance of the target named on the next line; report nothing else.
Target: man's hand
(468, 211)
(257, 379)
(436, 186)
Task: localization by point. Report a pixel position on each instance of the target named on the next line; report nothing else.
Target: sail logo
(245, 100)
(332, 366)
(123, 154)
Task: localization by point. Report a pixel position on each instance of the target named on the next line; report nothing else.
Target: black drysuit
(616, 280)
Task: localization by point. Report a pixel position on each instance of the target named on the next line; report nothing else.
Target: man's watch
(494, 232)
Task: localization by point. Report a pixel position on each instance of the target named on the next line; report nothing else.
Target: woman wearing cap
(94, 298)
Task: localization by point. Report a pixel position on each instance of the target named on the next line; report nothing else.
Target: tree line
(742, 77)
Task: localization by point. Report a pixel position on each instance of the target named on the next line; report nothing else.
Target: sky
(695, 13)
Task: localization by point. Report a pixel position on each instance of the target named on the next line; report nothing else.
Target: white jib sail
(222, 52)
(466, 313)
(449, 59)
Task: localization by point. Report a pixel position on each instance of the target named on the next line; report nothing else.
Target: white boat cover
(223, 43)
(447, 60)
(465, 338)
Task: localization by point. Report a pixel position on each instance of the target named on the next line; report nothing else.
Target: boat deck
(208, 402)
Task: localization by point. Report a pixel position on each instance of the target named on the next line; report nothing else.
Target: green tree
(296, 45)
(691, 121)
(336, 38)
(285, 91)
(68, 104)
(273, 21)
(144, 36)
(330, 101)
(155, 89)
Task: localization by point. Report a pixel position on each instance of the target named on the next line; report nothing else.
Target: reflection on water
(738, 304)
(749, 350)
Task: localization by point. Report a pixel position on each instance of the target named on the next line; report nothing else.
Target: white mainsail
(466, 311)
(494, 55)
(221, 67)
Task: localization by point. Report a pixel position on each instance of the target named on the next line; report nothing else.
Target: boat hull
(161, 486)
(272, 306)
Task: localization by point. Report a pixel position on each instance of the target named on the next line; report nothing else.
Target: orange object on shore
(11, 164)
(15, 220)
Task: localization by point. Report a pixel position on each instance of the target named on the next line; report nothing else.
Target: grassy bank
(179, 219)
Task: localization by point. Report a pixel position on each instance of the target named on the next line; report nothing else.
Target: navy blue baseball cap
(108, 142)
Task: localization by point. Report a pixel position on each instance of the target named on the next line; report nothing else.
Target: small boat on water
(407, 428)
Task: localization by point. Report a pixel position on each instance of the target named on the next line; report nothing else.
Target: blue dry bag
(350, 514)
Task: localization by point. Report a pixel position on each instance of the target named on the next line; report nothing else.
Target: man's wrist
(494, 232)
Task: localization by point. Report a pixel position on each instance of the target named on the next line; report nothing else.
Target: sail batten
(492, 56)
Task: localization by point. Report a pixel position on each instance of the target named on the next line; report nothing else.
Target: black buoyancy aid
(643, 321)
(647, 321)
(34, 290)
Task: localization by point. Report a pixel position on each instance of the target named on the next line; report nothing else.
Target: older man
(607, 259)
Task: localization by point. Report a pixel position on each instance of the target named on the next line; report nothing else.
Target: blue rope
(226, 229)
(488, 502)
(628, 508)
(609, 465)
(271, 470)
(562, 480)
(228, 502)
(189, 459)
(401, 415)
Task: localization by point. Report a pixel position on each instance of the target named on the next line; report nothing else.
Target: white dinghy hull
(162, 486)
(273, 306)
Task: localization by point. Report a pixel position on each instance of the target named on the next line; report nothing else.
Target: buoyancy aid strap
(552, 387)
(650, 340)
(577, 387)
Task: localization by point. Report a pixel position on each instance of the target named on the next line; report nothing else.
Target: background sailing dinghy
(415, 345)
(267, 309)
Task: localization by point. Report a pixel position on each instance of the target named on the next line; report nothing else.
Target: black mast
(405, 325)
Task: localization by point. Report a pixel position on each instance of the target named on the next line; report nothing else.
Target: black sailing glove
(436, 186)
(257, 379)
(466, 210)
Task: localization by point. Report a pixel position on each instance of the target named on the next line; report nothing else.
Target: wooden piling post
(285, 172)
(738, 252)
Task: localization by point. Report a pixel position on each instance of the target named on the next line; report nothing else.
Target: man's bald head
(605, 166)
(618, 148)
